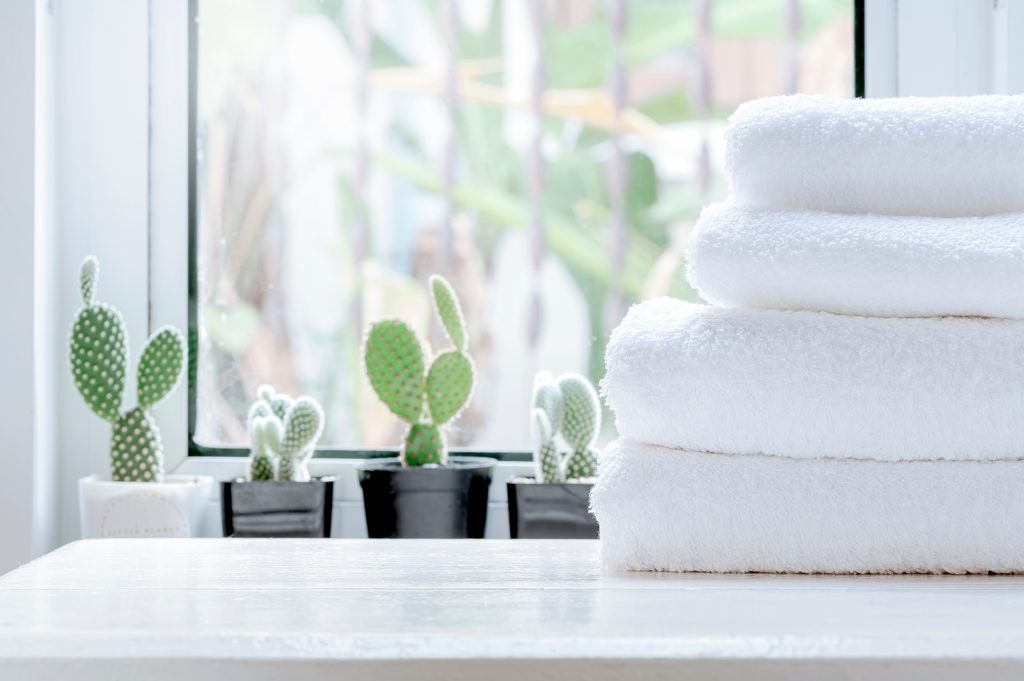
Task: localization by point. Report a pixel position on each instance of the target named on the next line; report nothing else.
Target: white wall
(27, 400)
(104, 180)
(944, 47)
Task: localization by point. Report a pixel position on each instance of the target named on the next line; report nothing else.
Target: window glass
(548, 157)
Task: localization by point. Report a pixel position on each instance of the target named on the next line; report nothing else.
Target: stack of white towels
(852, 399)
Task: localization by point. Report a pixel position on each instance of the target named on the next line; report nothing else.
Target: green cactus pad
(160, 366)
(261, 468)
(286, 468)
(423, 445)
(99, 359)
(541, 429)
(547, 396)
(446, 304)
(550, 464)
(302, 426)
(582, 411)
(136, 454)
(279, 403)
(259, 409)
(394, 365)
(88, 277)
(265, 431)
(581, 464)
(449, 385)
(266, 393)
(545, 452)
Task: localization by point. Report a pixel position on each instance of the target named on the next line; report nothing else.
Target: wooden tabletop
(225, 609)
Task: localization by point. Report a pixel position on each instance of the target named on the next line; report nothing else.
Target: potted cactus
(424, 492)
(565, 422)
(138, 499)
(279, 499)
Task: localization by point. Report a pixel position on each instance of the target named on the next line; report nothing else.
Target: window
(548, 157)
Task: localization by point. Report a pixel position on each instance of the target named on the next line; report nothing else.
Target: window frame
(196, 449)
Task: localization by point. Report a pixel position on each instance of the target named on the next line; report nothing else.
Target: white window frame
(943, 47)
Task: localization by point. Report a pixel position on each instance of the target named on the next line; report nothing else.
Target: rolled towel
(899, 266)
(665, 509)
(948, 156)
(813, 384)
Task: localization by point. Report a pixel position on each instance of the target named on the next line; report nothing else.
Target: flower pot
(172, 508)
(550, 510)
(447, 501)
(277, 508)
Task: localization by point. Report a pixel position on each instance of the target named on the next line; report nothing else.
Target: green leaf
(449, 385)
(232, 328)
(160, 366)
(99, 359)
(395, 367)
(448, 310)
(424, 445)
(582, 411)
(302, 426)
(136, 453)
(88, 276)
(547, 397)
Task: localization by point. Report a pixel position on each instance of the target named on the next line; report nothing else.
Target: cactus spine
(98, 351)
(425, 397)
(282, 435)
(568, 407)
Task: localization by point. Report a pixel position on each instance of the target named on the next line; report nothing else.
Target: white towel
(948, 156)
(812, 384)
(665, 509)
(892, 266)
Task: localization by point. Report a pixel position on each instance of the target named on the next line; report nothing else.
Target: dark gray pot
(447, 502)
(550, 511)
(277, 508)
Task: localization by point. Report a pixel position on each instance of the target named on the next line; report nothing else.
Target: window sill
(349, 521)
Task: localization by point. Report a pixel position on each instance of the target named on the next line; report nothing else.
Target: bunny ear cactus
(570, 407)
(303, 424)
(99, 366)
(282, 434)
(265, 432)
(425, 397)
(547, 417)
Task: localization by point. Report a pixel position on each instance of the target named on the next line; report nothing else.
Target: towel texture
(859, 264)
(666, 509)
(947, 156)
(812, 384)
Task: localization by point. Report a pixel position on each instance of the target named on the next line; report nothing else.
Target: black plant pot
(447, 502)
(277, 508)
(550, 510)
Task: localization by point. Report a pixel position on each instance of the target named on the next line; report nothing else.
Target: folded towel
(813, 384)
(898, 266)
(668, 509)
(948, 156)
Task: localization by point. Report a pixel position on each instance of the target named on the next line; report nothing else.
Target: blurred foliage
(491, 185)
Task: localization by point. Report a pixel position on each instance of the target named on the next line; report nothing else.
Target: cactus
(282, 434)
(570, 407)
(425, 397)
(99, 365)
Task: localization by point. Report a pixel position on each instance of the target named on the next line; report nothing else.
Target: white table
(205, 609)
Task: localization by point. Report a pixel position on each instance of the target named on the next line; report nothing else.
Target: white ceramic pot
(173, 508)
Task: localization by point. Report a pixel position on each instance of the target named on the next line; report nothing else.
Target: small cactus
(99, 365)
(282, 435)
(425, 397)
(570, 407)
